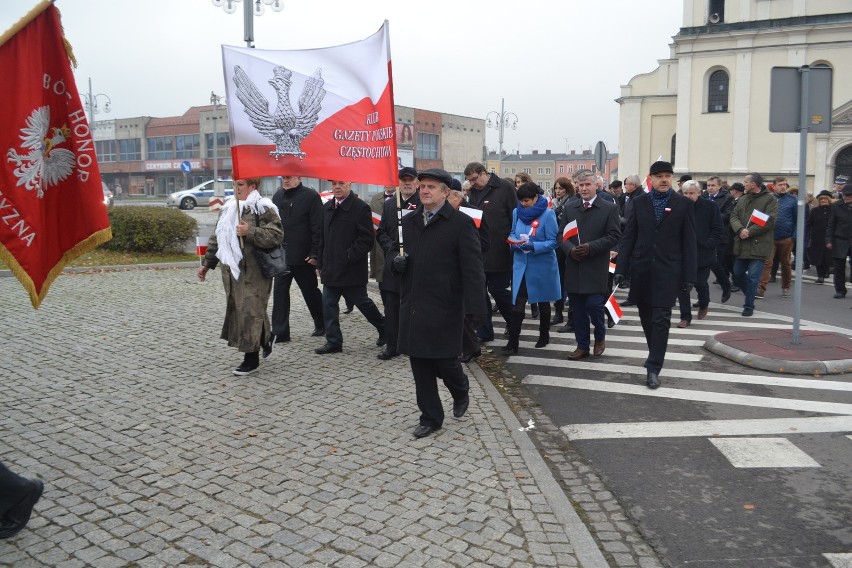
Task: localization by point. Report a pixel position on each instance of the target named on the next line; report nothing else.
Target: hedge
(149, 229)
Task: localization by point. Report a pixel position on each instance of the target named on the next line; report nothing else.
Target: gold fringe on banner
(28, 17)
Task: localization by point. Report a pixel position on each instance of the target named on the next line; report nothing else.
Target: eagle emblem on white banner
(43, 163)
(284, 127)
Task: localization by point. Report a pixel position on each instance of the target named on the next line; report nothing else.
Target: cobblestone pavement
(119, 394)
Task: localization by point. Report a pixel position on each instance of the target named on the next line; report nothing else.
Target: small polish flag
(326, 195)
(200, 246)
(613, 308)
(571, 230)
(475, 214)
(758, 218)
(512, 241)
(376, 220)
(612, 267)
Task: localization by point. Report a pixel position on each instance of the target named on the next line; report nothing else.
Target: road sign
(185, 166)
(785, 99)
(600, 156)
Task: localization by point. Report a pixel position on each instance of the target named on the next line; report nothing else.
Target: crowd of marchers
(450, 258)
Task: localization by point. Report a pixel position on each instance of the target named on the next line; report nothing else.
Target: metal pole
(502, 119)
(215, 154)
(248, 22)
(91, 104)
(800, 199)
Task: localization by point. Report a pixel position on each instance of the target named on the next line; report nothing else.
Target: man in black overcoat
(442, 280)
(708, 235)
(658, 254)
(497, 199)
(347, 237)
(18, 496)
(300, 209)
(724, 201)
(838, 238)
(388, 238)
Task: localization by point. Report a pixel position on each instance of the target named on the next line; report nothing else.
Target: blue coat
(539, 266)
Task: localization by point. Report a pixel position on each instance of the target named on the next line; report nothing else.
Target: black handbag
(272, 261)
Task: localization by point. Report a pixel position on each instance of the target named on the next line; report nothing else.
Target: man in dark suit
(587, 262)
(300, 209)
(497, 199)
(723, 200)
(442, 280)
(658, 252)
(347, 237)
(708, 234)
(388, 239)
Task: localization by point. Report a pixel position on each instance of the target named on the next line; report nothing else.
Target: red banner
(325, 113)
(51, 200)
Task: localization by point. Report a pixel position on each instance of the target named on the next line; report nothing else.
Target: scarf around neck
(229, 252)
(529, 214)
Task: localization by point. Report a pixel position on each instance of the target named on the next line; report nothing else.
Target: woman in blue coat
(535, 274)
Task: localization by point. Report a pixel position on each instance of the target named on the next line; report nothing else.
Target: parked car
(198, 196)
(107, 195)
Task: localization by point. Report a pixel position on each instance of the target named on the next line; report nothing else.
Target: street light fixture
(250, 10)
(214, 101)
(91, 103)
(502, 120)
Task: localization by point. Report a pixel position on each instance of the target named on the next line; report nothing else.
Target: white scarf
(229, 252)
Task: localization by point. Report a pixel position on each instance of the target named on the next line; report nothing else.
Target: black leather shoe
(653, 380)
(381, 340)
(348, 309)
(459, 408)
(695, 305)
(567, 328)
(424, 430)
(557, 319)
(726, 295)
(328, 348)
(245, 368)
(267, 347)
(318, 332)
(387, 354)
(627, 304)
(839, 295)
(16, 518)
(471, 357)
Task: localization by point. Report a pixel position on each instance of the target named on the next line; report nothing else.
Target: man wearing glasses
(497, 199)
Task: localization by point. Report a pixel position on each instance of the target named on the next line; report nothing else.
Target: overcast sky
(558, 63)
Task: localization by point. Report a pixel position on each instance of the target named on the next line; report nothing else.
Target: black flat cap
(660, 167)
(407, 171)
(438, 174)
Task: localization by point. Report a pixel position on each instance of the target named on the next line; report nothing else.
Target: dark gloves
(527, 247)
(687, 287)
(579, 252)
(399, 264)
(618, 279)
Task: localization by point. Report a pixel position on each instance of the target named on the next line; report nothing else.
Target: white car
(198, 196)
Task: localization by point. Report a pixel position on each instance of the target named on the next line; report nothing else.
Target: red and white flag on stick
(325, 113)
(201, 246)
(51, 200)
(377, 219)
(613, 308)
(571, 230)
(758, 218)
(611, 267)
(475, 214)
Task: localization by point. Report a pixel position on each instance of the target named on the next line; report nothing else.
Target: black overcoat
(658, 258)
(301, 216)
(347, 237)
(815, 228)
(600, 228)
(388, 237)
(839, 231)
(444, 281)
(708, 231)
(497, 200)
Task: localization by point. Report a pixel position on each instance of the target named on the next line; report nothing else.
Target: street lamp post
(91, 102)
(250, 10)
(502, 120)
(218, 190)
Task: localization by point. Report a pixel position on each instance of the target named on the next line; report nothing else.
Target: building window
(514, 171)
(540, 171)
(717, 91)
(129, 150)
(716, 11)
(561, 169)
(188, 146)
(161, 148)
(223, 144)
(527, 170)
(547, 171)
(427, 146)
(105, 150)
(674, 146)
(570, 169)
(545, 185)
(581, 167)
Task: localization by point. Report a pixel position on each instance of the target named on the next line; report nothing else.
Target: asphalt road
(723, 466)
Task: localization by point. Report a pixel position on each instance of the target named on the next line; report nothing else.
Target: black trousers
(356, 295)
(426, 373)
(840, 274)
(470, 341)
(306, 278)
(721, 270)
(499, 285)
(390, 301)
(13, 487)
(655, 323)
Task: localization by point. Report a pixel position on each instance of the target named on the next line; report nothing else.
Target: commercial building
(706, 107)
(545, 168)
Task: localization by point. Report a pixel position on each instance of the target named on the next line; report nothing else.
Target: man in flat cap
(442, 280)
(658, 254)
(838, 238)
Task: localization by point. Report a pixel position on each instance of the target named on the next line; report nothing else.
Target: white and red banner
(51, 198)
(475, 214)
(201, 245)
(613, 308)
(758, 218)
(325, 113)
(571, 230)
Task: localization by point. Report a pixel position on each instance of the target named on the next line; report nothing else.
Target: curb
(585, 548)
(115, 268)
(813, 368)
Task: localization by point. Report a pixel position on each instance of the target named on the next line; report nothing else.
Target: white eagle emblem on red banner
(44, 163)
